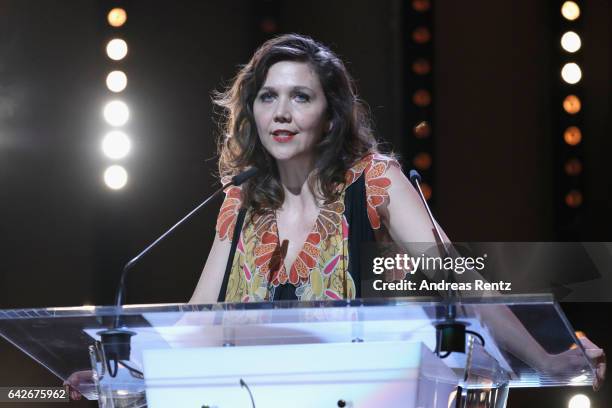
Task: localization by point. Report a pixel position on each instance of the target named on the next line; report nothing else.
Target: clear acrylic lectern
(360, 353)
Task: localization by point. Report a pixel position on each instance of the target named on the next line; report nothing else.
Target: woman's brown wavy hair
(350, 138)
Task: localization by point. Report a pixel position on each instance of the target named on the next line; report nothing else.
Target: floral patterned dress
(320, 270)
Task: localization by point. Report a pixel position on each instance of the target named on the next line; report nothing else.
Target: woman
(292, 231)
(322, 187)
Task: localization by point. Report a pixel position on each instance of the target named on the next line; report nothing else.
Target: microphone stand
(450, 333)
(116, 340)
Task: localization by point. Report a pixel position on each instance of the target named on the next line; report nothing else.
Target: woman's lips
(283, 137)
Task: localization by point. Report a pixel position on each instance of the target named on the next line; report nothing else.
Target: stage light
(572, 135)
(570, 10)
(116, 81)
(421, 35)
(571, 73)
(573, 199)
(116, 145)
(116, 113)
(421, 5)
(422, 130)
(570, 41)
(116, 17)
(571, 104)
(116, 49)
(573, 167)
(421, 66)
(115, 177)
(422, 161)
(421, 98)
(579, 401)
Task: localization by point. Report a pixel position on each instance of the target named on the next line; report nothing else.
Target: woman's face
(290, 111)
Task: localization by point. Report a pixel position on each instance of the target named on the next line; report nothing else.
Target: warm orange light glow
(422, 130)
(421, 98)
(422, 161)
(572, 135)
(421, 5)
(573, 167)
(421, 35)
(421, 66)
(117, 17)
(571, 104)
(426, 190)
(573, 199)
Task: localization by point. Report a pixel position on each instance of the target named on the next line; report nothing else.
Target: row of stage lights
(571, 73)
(116, 144)
(420, 50)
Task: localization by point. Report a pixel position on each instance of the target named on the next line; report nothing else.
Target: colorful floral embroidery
(376, 189)
(226, 221)
(320, 269)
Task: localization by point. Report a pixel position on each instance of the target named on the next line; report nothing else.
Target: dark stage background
(64, 236)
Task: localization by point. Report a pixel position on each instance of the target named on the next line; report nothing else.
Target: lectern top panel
(59, 338)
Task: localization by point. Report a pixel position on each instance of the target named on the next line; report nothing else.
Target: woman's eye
(302, 97)
(266, 97)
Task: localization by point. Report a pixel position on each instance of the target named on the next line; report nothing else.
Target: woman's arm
(207, 289)
(407, 221)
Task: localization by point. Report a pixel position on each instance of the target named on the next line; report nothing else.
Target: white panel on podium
(377, 374)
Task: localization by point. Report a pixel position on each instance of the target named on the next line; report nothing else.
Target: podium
(352, 353)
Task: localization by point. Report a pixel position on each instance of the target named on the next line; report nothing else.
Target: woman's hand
(597, 356)
(75, 380)
(572, 360)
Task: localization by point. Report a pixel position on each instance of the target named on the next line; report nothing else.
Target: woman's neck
(294, 175)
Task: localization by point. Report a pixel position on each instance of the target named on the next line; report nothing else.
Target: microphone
(415, 177)
(116, 341)
(238, 179)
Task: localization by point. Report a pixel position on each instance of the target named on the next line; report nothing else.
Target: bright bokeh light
(571, 42)
(116, 81)
(571, 73)
(116, 17)
(579, 401)
(422, 130)
(572, 104)
(570, 10)
(115, 177)
(572, 135)
(116, 113)
(116, 145)
(116, 49)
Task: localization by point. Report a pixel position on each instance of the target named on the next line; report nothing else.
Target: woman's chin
(284, 155)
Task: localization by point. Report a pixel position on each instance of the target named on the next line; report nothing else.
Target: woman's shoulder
(374, 164)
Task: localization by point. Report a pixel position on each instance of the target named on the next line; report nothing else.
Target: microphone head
(238, 179)
(414, 175)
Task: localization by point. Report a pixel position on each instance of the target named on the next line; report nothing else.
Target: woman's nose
(282, 113)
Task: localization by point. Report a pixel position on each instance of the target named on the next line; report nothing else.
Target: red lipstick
(283, 136)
